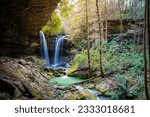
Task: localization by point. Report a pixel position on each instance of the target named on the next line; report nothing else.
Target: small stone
(91, 86)
(23, 62)
(70, 96)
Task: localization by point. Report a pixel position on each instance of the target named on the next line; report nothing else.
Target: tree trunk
(135, 27)
(88, 43)
(145, 54)
(121, 24)
(139, 34)
(102, 29)
(106, 25)
(148, 35)
(100, 39)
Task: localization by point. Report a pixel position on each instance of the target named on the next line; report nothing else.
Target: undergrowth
(120, 61)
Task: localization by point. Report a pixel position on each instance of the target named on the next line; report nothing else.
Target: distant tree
(148, 35)
(135, 24)
(88, 43)
(106, 24)
(146, 39)
(100, 39)
(120, 2)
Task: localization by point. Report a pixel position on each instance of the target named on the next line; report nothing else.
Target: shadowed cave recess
(20, 22)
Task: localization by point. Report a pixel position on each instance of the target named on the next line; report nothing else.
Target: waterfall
(44, 49)
(58, 49)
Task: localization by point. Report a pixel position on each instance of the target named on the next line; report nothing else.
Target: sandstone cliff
(20, 22)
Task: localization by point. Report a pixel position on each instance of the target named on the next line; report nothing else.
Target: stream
(59, 64)
(93, 91)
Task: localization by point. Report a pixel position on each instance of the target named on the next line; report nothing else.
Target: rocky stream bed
(26, 78)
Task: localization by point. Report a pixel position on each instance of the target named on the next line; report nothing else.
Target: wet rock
(91, 86)
(102, 87)
(56, 72)
(67, 65)
(62, 87)
(81, 72)
(85, 94)
(107, 85)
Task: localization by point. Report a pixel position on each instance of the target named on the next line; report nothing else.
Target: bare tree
(135, 24)
(121, 17)
(100, 39)
(148, 34)
(106, 24)
(145, 53)
(88, 43)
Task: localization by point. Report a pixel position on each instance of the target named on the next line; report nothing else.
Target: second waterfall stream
(58, 50)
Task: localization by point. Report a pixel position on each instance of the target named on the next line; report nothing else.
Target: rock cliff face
(20, 22)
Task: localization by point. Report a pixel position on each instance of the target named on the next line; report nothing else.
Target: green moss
(85, 94)
(107, 93)
(72, 97)
(91, 86)
(77, 75)
(82, 97)
(73, 68)
(54, 26)
(103, 91)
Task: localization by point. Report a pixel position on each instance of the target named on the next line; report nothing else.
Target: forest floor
(26, 78)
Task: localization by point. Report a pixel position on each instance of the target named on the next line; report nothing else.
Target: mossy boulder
(104, 88)
(85, 94)
(80, 72)
(55, 72)
(91, 86)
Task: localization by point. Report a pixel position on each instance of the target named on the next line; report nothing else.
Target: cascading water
(44, 49)
(58, 49)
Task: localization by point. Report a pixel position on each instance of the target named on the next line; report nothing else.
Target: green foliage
(54, 26)
(79, 41)
(122, 63)
(65, 8)
(80, 58)
(114, 60)
(62, 32)
(73, 68)
(135, 9)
